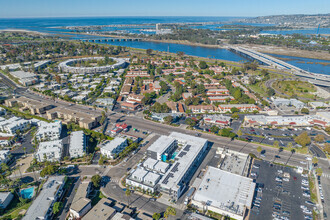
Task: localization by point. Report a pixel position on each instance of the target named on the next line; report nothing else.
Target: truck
(189, 195)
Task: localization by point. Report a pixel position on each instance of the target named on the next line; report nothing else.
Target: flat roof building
(111, 149)
(102, 210)
(224, 193)
(52, 191)
(161, 148)
(49, 151)
(192, 152)
(49, 131)
(143, 179)
(5, 199)
(77, 145)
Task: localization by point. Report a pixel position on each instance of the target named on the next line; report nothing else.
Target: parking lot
(281, 193)
(268, 136)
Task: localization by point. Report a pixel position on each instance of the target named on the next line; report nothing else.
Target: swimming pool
(27, 193)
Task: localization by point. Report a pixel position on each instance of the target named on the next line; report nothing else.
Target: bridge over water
(264, 59)
(110, 39)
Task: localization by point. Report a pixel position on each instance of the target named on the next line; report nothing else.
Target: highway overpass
(264, 59)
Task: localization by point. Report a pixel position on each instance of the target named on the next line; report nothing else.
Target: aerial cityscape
(164, 110)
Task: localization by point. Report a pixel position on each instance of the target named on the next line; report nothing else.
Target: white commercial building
(143, 179)
(25, 78)
(161, 148)
(191, 153)
(290, 120)
(81, 204)
(42, 206)
(49, 131)
(288, 102)
(224, 193)
(13, 124)
(77, 146)
(111, 149)
(49, 151)
(155, 165)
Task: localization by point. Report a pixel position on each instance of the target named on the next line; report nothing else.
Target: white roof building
(225, 193)
(112, 148)
(143, 179)
(77, 146)
(187, 160)
(49, 131)
(50, 151)
(41, 207)
(13, 124)
(4, 156)
(160, 147)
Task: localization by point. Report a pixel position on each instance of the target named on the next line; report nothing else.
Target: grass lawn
(259, 88)
(15, 211)
(312, 189)
(298, 88)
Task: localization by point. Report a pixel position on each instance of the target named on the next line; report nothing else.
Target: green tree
(96, 180)
(304, 111)
(303, 139)
(128, 194)
(235, 116)
(168, 119)
(319, 171)
(239, 132)
(190, 122)
(276, 144)
(149, 52)
(57, 207)
(169, 211)
(259, 149)
(156, 216)
(214, 129)
(319, 138)
(234, 109)
(289, 145)
(315, 160)
(202, 65)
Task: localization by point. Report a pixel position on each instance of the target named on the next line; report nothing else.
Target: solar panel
(175, 168)
(165, 181)
(182, 153)
(187, 148)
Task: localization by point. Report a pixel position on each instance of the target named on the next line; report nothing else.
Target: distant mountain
(299, 20)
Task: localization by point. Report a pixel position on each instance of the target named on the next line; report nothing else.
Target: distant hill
(299, 20)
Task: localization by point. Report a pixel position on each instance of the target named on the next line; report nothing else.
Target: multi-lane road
(285, 157)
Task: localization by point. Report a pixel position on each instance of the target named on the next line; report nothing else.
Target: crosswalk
(325, 175)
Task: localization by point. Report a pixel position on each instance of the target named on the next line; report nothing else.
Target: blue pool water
(27, 193)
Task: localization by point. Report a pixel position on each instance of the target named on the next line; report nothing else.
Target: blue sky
(76, 8)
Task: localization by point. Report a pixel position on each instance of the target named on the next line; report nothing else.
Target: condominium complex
(77, 145)
(185, 151)
(111, 149)
(42, 206)
(13, 124)
(49, 131)
(49, 151)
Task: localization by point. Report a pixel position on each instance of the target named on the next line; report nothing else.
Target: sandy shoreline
(23, 31)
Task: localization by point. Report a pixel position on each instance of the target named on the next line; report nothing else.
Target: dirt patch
(322, 55)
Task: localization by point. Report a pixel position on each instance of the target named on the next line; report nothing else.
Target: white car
(308, 158)
(286, 179)
(304, 175)
(303, 207)
(280, 171)
(308, 212)
(303, 162)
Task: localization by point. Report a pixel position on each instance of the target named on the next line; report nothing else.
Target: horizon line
(96, 16)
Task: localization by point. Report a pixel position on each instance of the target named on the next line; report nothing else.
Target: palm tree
(128, 194)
